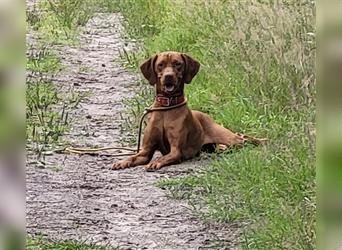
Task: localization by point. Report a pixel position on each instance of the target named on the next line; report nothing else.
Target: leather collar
(169, 101)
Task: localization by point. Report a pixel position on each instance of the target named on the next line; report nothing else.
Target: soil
(78, 197)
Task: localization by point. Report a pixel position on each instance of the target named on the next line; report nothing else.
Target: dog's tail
(253, 140)
(245, 139)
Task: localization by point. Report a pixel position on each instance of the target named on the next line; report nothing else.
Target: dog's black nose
(168, 78)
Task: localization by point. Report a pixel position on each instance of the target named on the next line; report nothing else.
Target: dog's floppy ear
(191, 68)
(147, 69)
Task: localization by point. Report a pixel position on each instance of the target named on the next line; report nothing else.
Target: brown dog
(178, 133)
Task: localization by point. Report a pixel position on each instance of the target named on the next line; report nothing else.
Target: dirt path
(79, 197)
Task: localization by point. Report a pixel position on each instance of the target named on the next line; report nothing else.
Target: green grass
(60, 21)
(39, 243)
(45, 122)
(55, 22)
(256, 77)
(43, 61)
(47, 109)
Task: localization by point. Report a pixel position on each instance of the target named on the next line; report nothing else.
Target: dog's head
(170, 70)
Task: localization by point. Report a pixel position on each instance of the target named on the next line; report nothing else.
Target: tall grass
(60, 21)
(46, 109)
(257, 77)
(45, 121)
(55, 22)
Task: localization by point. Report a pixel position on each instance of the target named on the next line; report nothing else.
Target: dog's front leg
(174, 156)
(141, 158)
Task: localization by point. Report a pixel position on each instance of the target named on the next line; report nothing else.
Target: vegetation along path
(78, 197)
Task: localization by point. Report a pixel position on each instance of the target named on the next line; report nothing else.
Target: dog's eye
(160, 65)
(178, 64)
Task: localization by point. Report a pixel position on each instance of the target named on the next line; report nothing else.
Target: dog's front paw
(155, 165)
(121, 165)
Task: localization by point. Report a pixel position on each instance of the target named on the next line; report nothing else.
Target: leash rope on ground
(94, 151)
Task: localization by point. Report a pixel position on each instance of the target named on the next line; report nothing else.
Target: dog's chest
(167, 128)
(166, 121)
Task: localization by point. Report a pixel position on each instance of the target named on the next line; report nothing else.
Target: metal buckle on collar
(161, 100)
